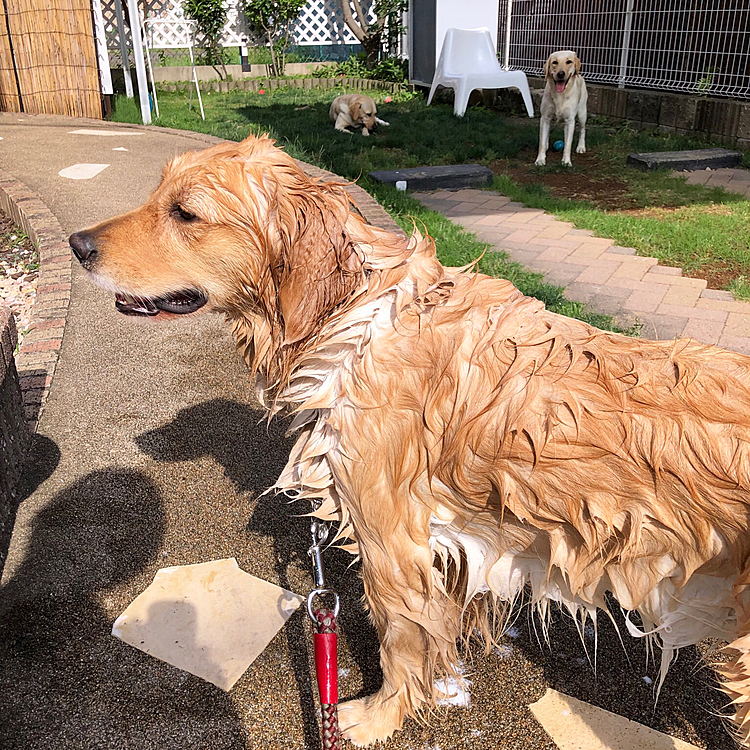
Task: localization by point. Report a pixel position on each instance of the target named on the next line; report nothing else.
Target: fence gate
(48, 58)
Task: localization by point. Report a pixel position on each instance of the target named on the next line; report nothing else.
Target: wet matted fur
(471, 444)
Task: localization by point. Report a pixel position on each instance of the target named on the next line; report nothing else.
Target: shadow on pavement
(689, 705)
(253, 453)
(66, 681)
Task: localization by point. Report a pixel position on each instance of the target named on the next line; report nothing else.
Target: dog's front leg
(582, 135)
(569, 127)
(365, 131)
(541, 158)
(381, 122)
(417, 625)
(342, 122)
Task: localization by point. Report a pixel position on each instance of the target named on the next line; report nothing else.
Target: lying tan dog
(469, 442)
(355, 111)
(564, 98)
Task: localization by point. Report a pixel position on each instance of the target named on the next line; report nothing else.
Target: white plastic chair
(468, 61)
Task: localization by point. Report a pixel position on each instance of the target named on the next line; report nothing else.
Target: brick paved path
(733, 180)
(609, 279)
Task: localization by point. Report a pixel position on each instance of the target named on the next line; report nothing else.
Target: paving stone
(605, 305)
(705, 331)
(737, 324)
(558, 273)
(666, 271)
(646, 300)
(717, 294)
(683, 295)
(694, 312)
(739, 344)
(617, 250)
(597, 272)
(662, 327)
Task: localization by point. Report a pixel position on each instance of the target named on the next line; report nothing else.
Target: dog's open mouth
(560, 85)
(179, 303)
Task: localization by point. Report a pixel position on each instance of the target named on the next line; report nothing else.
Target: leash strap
(324, 642)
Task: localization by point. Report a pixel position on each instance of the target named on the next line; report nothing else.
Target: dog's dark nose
(560, 75)
(83, 246)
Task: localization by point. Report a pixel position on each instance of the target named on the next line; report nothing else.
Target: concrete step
(686, 160)
(431, 178)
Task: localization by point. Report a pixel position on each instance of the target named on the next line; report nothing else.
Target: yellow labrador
(564, 99)
(355, 111)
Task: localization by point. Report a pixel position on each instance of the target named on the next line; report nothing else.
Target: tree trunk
(371, 45)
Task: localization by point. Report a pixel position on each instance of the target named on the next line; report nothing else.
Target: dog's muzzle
(84, 248)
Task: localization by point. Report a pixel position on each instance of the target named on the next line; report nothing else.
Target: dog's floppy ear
(355, 110)
(546, 66)
(319, 265)
(577, 62)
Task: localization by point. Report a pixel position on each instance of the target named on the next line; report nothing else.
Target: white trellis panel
(320, 22)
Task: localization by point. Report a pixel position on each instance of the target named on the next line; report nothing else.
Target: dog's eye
(183, 213)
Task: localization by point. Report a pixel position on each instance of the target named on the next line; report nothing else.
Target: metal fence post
(123, 50)
(507, 34)
(625, 44)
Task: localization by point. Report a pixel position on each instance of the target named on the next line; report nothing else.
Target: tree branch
(351, 23)
(361, 17)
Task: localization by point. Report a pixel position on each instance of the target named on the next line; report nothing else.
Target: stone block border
(39, 353)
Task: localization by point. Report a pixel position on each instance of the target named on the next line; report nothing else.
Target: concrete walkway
(610, 279)
(150, 453)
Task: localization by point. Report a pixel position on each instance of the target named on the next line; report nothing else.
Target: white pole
(124, 50)
(105, 74)
(507, 34)
(195, 74)
(140, 66)
(150, 68)
(625, 44)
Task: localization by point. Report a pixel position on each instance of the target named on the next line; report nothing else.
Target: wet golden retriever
(355, 111)
(470, 443)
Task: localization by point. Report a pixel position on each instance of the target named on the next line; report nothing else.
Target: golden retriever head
(238, 228)
(560, 67)
(364, 111)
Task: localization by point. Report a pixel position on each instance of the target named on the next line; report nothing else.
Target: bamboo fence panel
(55, 57)
(9, 100)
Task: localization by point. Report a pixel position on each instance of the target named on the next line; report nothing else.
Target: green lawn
(698, 226)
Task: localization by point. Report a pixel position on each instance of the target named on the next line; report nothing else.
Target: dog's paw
(540, 161)
(567, 163)
(365, 132)
(581, 150)
(368, 720)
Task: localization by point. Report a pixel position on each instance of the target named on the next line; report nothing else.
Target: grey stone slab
(687, 160)
(719, 294)
(617, 250)
(431, 178)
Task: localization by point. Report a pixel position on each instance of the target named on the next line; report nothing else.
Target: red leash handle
(326, 664)
(327, 673)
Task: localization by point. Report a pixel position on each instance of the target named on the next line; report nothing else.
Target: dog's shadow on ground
(252, 452)
(615, 672)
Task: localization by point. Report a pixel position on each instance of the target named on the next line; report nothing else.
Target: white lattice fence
(320, 22)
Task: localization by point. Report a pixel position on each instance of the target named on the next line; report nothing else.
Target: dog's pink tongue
(560, 87)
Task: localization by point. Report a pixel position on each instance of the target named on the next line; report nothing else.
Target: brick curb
(37, 359)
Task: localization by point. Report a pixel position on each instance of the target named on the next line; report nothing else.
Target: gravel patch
(19, 271)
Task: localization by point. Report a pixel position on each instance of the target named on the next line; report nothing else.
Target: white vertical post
(124, 50)
(140, 65)
(150, 67)
(625, 45)
(507, 34)
(105, 75)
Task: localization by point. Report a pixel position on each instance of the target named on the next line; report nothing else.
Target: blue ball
(558, 145)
